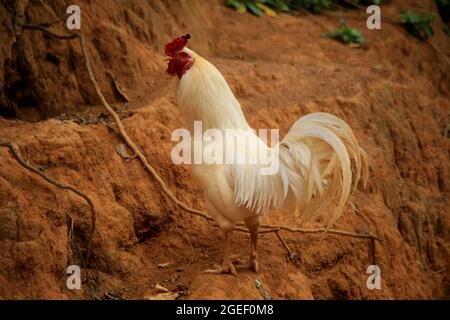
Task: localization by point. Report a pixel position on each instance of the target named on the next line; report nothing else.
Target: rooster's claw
(227, 268)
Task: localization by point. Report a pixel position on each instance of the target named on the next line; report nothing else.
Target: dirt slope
(394, 93)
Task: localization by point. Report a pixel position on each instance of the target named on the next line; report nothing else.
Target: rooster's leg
(253, 227)
(227, 264)
(253, 264)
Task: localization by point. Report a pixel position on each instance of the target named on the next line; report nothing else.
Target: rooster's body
(314, 157)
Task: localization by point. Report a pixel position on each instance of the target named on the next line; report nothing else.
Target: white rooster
(315, 157)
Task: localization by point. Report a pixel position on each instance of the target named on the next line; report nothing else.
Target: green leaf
(347, 35)
(242, 8)
(280, 5)
(254, 9)
(267, 10)
(234, 4)
(418, 25)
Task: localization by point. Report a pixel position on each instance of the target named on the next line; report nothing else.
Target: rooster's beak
(167, 59)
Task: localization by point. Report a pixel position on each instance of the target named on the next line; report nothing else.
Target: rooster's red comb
(176, 45)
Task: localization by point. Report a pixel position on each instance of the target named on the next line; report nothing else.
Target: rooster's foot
(237, 260)
(227, 268)
(253, 264)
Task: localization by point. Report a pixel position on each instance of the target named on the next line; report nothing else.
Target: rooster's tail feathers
(317, 154)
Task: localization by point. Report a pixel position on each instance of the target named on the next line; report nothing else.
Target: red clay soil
(394, 93)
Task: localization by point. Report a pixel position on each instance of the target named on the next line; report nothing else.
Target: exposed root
(292, 255)
(41, 27)
(372, 252)
(15, 152)
(117, 86)
(74, 245)
(325, 230)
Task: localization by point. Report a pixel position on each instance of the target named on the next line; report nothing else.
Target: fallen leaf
(163, 296)
(121, 149)
(163, 265)
(160, 288)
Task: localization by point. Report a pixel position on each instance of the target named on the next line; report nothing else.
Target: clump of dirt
(394, 93)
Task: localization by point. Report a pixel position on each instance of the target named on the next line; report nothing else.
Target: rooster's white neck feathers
(204, 95)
